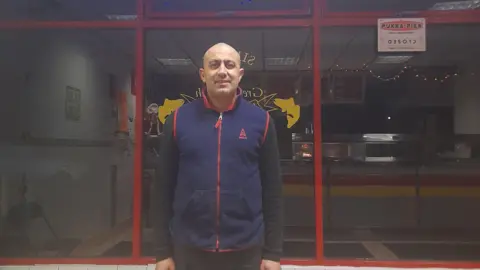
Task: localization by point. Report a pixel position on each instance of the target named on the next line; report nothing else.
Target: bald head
(221, 70)
(221, 48)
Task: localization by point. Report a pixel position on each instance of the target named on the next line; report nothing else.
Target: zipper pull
(219, 121)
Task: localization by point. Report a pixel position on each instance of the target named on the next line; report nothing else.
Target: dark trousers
(195, 259)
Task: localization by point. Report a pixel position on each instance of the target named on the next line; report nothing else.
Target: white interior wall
(71, 183)
(467, 102)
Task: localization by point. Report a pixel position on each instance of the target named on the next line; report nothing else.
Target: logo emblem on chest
(243, 135)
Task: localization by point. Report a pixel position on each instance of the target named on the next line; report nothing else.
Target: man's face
(221, 70)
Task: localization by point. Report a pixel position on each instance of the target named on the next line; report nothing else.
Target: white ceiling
(446, 45)
(350, 47)
(259, 43)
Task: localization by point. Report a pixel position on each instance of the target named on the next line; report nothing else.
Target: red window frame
(318, 18)
(303, 11)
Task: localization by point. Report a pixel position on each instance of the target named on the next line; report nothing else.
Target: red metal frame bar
(138, 151)
(317, 135)
(299, 262)
(161, 24)
(99, 261)
(293, 12)
(229, 23)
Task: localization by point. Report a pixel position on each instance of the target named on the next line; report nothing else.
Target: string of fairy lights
(437, 78)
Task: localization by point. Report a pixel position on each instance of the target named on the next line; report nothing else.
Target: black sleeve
(272, 196)
(164, 187)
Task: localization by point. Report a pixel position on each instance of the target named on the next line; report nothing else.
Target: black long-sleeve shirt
(272, 197)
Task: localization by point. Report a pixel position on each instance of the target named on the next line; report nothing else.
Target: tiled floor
(436, 252)
(381, 245)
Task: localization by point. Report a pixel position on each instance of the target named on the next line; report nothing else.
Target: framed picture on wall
(73, 103)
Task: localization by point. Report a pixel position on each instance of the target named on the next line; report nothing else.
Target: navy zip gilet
(218, 194)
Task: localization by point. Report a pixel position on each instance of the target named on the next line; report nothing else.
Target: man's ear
(201, 72)
(242, 71)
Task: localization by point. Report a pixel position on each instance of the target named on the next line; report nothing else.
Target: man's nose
(222, 70)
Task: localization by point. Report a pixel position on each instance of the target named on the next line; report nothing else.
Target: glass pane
(402, 164)
(277, 71)
(399, 5)
(66, 168)
(67, 10)
(228, 7)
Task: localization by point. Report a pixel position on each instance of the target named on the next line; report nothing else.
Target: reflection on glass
(399, 5)
(272, 81)
(66, 152)
(68, 10)
(227, 7)
(401, 165)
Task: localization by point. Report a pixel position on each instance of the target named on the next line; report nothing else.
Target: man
(219, 190)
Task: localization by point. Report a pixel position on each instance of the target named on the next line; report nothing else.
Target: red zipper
(218, 125)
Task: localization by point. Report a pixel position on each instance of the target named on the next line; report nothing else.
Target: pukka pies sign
(402, 35)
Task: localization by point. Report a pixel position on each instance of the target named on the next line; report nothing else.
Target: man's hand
(270, 265)
(166, 264)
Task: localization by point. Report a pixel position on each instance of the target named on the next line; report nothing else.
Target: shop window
(278, 78)
(66, 151)
(399, 5)
(227, 8)
(67, 10)
(401, 153)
